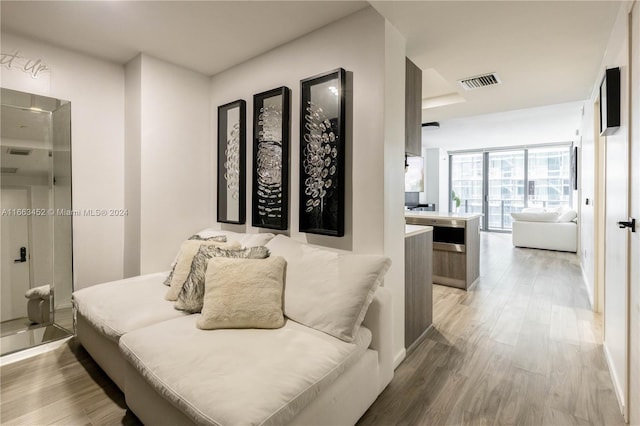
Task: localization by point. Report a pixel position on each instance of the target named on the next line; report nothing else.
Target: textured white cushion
(243, 293)
(535, 216)
(181, 269)
(246, 240)
(326, 290)
(239, 377)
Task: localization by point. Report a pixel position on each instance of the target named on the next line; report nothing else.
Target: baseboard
(586, 285)
(400, 356)
(614, 378)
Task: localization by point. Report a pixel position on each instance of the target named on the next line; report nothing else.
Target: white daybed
(174, 373)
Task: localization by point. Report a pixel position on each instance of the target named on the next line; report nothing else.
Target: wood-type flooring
(522, 347)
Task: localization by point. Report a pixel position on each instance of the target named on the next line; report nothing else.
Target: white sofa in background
(549, 229)
(174, 373)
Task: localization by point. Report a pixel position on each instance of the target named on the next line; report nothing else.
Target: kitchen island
(456, 246)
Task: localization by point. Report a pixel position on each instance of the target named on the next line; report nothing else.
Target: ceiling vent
(11, 170)
(480, 81)
(18, 151)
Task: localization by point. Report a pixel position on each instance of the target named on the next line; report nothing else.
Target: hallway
(521, 347)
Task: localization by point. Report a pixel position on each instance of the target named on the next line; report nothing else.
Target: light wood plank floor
(522, 347)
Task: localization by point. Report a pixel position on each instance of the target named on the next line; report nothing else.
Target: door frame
(29, 227)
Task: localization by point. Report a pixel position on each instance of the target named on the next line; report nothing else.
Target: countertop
(438, 215)
(411, 230)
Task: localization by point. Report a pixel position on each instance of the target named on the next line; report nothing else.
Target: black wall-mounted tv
(610, 102)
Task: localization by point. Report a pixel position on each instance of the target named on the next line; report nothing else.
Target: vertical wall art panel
(322, 153)
(271, 130)
(231, 162)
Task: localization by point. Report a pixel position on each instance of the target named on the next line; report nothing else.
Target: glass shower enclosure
(36, 231)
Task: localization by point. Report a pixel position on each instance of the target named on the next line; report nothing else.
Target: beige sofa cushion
(239, 377)
(117, 307)
(191, 296)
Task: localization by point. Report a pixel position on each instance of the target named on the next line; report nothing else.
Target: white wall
(394, 137)
(357, 44)
(175, 187)
(548, 124)
(436, 166)
(96, 91)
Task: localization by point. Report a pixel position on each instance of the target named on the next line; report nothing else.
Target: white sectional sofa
(175, 373)
(549, 229)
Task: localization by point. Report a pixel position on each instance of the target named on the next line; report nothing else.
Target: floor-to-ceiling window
(466, 182)
(497, 182)
(548, 178)
(505, 187)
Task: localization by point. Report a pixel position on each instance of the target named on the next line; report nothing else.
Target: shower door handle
(23, 255)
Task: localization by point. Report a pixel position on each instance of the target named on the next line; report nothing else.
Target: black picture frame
(231, 200)
(610, 102)
(322, 153)
(271, 136)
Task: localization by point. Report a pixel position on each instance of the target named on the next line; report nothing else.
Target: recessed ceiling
(545, 52)
(206, 36)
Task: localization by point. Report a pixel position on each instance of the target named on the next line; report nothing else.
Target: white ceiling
(546, 52)
(206, 36)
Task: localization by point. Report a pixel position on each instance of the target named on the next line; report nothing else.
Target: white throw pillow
(567, 215)
(326, 290)
(243, 293)
(535, 216)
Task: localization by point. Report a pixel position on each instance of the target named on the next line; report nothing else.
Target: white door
(616, 294)
(15, 235)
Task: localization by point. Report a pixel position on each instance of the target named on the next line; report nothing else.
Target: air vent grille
(18, 151)
(11, 170)
(479, 81)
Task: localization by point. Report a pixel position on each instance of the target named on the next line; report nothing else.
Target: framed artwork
(573, 168)
(322, 152)
(271, 132)
(610, 102)
(231, 162)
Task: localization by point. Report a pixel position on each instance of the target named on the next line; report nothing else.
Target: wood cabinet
(418, 296)
(413, 109)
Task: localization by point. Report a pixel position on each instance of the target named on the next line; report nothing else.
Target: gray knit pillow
(217, 238)
(191, 296)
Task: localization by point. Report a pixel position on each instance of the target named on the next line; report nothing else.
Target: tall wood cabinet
(413, 109)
